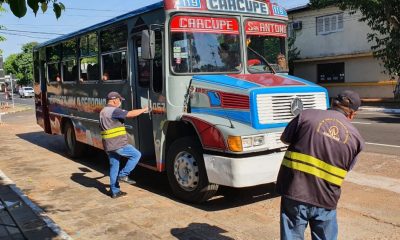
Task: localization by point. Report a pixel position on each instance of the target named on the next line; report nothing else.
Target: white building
(335, 52)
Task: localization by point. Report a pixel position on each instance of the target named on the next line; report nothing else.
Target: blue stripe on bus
(240, 116)
(226, 81)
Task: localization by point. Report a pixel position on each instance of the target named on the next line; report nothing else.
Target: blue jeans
(296, 215)
(133, 156)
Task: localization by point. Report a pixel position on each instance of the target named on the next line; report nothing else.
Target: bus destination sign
(204, 24)
(266, 28)
(242, 6)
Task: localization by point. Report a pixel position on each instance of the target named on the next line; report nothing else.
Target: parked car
(26, 92)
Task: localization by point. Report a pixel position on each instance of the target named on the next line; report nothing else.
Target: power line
(46, 33)
(23, 35)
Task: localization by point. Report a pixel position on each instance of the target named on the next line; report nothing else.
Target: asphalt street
(381, 131)
(18, 100)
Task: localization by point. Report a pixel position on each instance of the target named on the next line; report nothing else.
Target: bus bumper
(243, 172)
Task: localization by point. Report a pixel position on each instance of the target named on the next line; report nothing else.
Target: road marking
(384, 145)
(365, 123)
(374, 181)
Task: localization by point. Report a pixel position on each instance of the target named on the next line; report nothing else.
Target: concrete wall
(363, 73)
(352, 39)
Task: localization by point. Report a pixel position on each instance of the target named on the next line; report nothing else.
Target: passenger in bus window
(106, 76)
(115, 141)
(281, 62)
(58, 78)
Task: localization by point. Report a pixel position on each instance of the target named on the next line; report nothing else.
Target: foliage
(293, 53)
(21, 64)
(383, 17)
(1, 27)
(19, 7)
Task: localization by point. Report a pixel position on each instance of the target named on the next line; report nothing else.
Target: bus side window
(158, 64)
(89, 60)
(53, 63)
(113, 45)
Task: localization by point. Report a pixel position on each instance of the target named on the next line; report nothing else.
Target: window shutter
(340, 21)
(320, 26)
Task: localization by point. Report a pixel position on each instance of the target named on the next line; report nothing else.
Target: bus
(214, 73)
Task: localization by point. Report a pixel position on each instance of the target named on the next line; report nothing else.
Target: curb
(384, 110)
(36, 209)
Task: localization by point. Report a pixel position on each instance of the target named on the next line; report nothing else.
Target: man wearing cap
(323, 147)
(115, 141)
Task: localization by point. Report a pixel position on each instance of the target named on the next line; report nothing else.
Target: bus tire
(74, 148)
(186, 172)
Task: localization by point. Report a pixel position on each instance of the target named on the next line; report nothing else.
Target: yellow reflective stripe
(113, 135)
(313, 171)
(317, 163)
(113, 130)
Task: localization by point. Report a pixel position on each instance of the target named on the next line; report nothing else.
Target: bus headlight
(258, 141)
(247, 142)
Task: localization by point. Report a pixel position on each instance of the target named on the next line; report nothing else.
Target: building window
(330, 72)
(329, 24)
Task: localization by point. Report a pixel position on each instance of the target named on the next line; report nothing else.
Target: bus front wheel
(186, 171)
(74, 148)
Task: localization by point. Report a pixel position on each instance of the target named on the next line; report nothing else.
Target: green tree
(2, 27)
(383, 17)
(21, 64)
(19, 7)
(293, 53)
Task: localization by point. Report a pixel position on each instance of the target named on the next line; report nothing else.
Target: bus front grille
(276, 108)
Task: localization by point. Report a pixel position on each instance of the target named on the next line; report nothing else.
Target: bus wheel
(186, 171)
(74, 148)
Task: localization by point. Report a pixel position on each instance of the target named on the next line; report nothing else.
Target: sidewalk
(32, 222)
(379, 105)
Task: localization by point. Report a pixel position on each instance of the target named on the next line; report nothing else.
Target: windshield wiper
(262, 58)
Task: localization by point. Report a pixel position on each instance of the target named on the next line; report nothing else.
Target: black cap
(352, 97)
(114, 95)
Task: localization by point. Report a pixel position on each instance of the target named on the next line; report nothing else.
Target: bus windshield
(204, 45)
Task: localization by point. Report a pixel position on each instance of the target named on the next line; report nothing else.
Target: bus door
(142, 70)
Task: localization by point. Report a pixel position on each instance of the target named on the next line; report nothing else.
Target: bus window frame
(211, 15)
(80, 57)
(125, 49)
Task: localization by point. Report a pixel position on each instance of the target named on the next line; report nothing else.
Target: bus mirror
(148, 44)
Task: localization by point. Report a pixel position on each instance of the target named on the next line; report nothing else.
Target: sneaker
(118, 194)
(127, 180)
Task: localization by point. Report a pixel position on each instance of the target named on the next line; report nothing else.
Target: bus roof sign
(252, 7)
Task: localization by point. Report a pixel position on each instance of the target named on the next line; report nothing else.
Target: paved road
(381, 131)
(18, 100)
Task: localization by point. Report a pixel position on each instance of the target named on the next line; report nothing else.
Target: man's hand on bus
(136, 112)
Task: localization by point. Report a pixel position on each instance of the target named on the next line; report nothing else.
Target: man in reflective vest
(323, 147)
(115, 141)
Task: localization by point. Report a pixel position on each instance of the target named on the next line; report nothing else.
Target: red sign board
(266, 28)
(204, 24)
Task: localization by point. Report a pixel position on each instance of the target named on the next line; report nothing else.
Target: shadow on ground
(96, 160)
(199, 231)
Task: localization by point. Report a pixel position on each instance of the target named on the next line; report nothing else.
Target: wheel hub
(186, 171)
